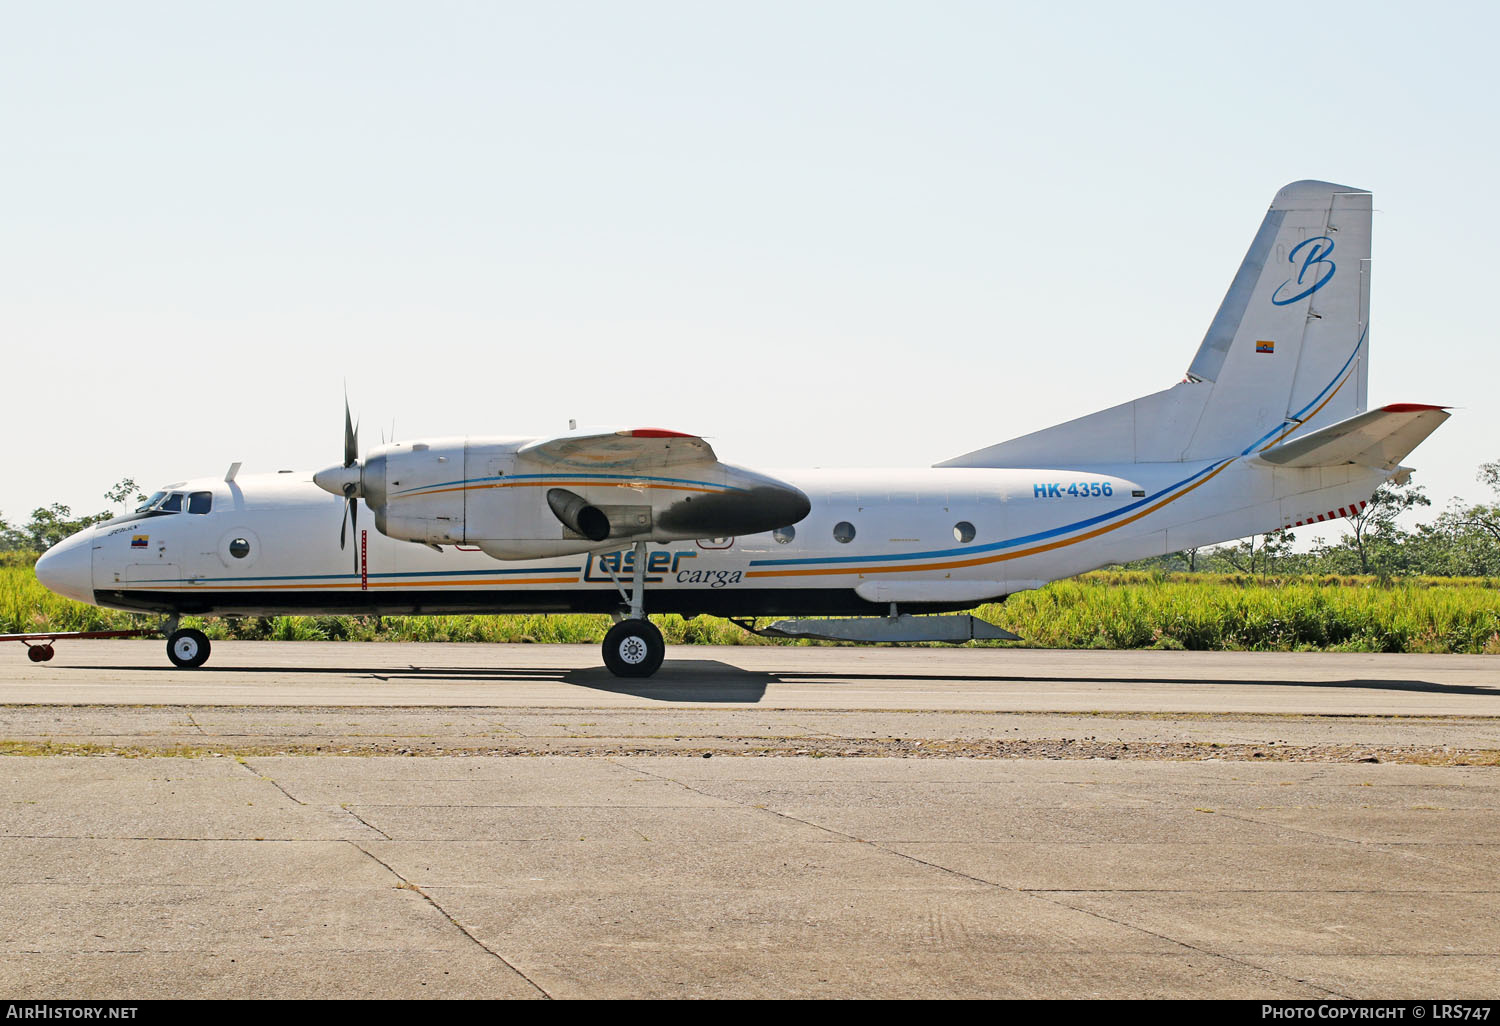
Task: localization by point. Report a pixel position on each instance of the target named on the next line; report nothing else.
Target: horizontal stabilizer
(621, 450)
(1380, 438)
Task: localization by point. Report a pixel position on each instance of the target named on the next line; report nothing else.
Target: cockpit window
(165, 503)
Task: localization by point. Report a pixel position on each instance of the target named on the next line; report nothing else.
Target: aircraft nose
(68, 567)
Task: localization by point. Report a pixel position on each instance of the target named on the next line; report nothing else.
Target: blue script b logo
(1317, 255)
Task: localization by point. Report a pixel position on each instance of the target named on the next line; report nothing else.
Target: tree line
(51, 524)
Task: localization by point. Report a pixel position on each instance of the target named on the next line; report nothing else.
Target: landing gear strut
(634, 647)
(187, 648)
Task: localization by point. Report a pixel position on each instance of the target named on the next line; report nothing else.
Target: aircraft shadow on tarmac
(678, 680)
(709, 680)
(682, 680)
(969, 678)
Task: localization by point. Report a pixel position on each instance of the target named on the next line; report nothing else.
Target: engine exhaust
(576, 513)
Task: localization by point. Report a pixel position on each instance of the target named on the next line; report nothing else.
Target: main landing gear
(634, 647)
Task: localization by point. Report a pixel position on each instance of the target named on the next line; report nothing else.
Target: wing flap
(1380, 438)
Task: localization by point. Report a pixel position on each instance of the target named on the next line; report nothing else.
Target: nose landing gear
(187, 648)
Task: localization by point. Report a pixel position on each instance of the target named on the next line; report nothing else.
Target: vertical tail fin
(1289, 339)
(1289, 344)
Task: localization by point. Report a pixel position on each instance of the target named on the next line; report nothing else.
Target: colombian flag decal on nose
(140, 541)
(1265, 347)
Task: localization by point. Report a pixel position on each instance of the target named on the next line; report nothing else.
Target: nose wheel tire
(634, 648)
(39, 653)
(187, 648)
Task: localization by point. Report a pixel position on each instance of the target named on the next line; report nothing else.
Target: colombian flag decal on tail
(1265, 347)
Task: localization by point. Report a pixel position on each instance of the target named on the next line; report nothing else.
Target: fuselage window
(784, 534)
(200, 502)
(843, 532)
(172, 503)
(239, 548)
(963, 531)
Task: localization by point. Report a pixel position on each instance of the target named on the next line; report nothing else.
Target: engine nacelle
(416, 490)
(486, 492)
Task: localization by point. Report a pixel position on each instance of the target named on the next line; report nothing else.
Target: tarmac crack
(270, 780)
(1038, 895)
(460, 927)
(1398, 848)
(365, 823)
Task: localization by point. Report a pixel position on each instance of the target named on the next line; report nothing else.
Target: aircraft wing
(1379, 438)
(629, 449)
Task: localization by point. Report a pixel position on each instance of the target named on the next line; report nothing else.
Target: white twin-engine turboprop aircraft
(1268, 430)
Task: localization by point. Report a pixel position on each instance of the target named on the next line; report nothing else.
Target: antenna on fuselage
(234, 468)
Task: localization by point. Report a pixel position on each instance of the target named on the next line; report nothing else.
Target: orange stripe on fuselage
(915, 567)
(355, 585)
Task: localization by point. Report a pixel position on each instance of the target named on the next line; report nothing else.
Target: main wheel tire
(188, 648)
(634, 648)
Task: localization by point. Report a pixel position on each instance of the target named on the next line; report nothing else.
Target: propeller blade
(351, 490)
(351, 437)
(351, 519)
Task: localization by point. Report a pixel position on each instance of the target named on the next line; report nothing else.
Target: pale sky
(821, 233)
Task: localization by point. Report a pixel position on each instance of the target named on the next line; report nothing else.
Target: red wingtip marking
(659, 433)
(1410, 407)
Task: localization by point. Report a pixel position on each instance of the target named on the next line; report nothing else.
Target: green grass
(1112, 610)
(1107, 609)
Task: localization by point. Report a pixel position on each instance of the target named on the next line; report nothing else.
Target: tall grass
(1348, 614)
(1099, 610)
